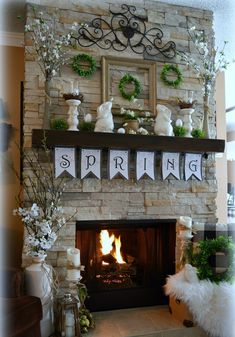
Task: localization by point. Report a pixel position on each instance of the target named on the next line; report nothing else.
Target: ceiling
(10, 9)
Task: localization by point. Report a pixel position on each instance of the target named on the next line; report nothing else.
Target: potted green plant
(198, 133)
(59, 124)
(179, 131)
(131, 120)
(87, 126)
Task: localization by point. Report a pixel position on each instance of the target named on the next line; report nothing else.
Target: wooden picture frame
(113, 69)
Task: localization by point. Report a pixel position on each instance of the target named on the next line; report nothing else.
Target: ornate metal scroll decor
(126, 29)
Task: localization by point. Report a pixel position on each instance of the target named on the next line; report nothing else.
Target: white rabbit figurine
(104, 119)
(162, 126)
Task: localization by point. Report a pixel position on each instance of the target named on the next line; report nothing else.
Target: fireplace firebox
(126, 261)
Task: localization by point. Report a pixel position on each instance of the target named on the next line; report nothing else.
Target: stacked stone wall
(119, 198)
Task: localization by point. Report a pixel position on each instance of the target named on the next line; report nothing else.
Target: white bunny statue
(162, 126)
(104, 119)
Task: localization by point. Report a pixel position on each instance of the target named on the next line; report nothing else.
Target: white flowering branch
(48, 46)
(209, 63)
(43, 191)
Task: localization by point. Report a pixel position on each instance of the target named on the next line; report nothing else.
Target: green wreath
(127, 79)
(171, 68)
(76, 65)
(207, 249)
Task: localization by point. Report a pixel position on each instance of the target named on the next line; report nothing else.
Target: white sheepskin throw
(212, 305)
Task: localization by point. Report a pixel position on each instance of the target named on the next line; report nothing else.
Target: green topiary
(198, 133)
(208, 248)
(179, 131)
(86, 126)
(76, 65)
(59, 124)
(171, 68)
(129, 79)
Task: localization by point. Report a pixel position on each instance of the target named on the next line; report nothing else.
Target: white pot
(38, 279)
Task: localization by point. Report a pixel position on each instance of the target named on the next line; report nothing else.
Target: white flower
(40, 234)
(35, 210)
(131, 113)
(142, 131)
(122, 111)
(27, 28)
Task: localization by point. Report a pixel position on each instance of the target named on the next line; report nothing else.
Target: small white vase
(187, 120)
(38, 279)
(73, 114)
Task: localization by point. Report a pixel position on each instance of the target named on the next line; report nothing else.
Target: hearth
(126, 261)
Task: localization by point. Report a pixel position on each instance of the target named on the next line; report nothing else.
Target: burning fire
(107, 246)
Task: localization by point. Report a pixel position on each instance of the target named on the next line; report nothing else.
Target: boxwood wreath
(207, 249)
(76, 65)
(167, 68)
(129, 79)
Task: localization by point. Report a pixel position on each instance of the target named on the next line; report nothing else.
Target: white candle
(186, 221)
(69, 319)
(71, 86)
(75, 88)
(190, 96)
(69, 331)
(186, 234)
(73, 274)
(73, 257)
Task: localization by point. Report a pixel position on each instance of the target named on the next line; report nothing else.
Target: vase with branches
(40, 208)
(50, 53)
(209, 62)
(43, 217)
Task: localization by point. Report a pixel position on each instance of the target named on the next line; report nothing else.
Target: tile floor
(140, 322)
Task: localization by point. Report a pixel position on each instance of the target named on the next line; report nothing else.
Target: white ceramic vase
(38, 279)
(187, 120)
(73, 114)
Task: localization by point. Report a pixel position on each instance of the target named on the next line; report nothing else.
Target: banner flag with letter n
(90, 162)
(145, 164)
(118, 163)
(170, 164)
(193, 165)
(65, 161)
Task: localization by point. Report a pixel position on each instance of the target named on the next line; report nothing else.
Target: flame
(107, 246)
(106, 242)
(117, 252)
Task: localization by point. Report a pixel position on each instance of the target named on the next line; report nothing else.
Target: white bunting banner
(170, 164)
(193, 165)
(118, 163)
(90, 162)
(65, 161)
(145, 164)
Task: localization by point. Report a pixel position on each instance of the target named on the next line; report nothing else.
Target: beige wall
(12, 69)
(221, 162)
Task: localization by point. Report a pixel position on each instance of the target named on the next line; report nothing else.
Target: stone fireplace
(141, 212)
(126, 261)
